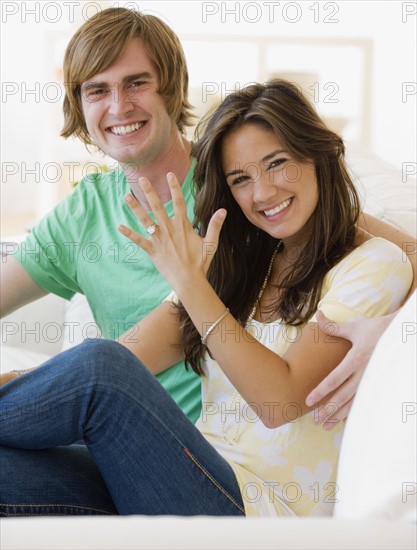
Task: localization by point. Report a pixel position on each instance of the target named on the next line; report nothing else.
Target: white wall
(34, 35)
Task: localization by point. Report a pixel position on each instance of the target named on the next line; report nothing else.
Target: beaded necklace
(263, 287)
(235, 396)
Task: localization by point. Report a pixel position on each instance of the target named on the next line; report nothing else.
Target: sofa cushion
(203, 533)
(385, 191)
(79, 322)
(377, 468)
(16, 358)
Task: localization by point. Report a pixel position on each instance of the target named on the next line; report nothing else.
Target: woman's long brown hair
(239, 266)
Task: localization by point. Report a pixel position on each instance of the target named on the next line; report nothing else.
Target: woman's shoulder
(371, 280)
(372, 251)
(375, 260)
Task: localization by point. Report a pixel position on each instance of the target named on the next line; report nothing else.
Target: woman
(278, 213)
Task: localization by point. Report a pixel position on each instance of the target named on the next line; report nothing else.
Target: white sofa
(377, 478)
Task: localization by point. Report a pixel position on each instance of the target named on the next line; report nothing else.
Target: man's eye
(96, 93)
(137, 84)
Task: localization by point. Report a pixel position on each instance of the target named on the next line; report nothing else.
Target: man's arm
(406, 242)
(345, 378)
(17, 288)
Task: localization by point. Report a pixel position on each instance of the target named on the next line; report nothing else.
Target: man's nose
(121, 101)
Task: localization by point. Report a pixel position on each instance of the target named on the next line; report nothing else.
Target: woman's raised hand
(176, 250)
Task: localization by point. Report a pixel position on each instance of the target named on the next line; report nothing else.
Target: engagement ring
(151, 229)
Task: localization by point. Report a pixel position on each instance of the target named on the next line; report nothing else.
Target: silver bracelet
(213, 326)
(19, 372)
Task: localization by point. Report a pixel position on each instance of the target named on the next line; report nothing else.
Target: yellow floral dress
(291, 470)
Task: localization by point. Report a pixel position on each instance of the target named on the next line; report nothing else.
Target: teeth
(278, 208)
(123, 130)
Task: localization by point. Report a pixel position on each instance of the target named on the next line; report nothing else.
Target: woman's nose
(263, 189)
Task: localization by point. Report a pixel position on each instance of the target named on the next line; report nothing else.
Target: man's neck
(176, 159)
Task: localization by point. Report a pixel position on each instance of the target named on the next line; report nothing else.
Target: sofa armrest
(37, 327)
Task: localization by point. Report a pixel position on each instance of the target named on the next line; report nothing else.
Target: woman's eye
(276, 163)
(239, 179)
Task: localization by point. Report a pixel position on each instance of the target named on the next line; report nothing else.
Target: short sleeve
(50, 252)
(373, 280)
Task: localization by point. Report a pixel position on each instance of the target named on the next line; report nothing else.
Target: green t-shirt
(77, 248)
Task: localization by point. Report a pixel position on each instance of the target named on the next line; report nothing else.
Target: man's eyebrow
(102, 84)
(92, 85)
(137, 76)
(265, 159)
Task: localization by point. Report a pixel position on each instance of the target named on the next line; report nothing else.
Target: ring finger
(154, 200)
(143, 217)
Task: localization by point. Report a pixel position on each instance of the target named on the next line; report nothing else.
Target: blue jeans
(141, 455)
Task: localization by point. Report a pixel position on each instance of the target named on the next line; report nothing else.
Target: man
(126, 93)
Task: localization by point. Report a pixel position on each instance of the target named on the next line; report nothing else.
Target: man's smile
(123, 130)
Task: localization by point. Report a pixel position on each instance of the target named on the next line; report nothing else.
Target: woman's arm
(406, 242)
(260, 375)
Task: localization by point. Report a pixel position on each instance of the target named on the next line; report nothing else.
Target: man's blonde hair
(98, 44)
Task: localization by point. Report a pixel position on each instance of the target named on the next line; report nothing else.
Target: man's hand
(364, 335)
(8, 377)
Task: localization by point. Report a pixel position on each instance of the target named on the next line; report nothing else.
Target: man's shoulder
(98, 187)
(99, 181)
(95, 194)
